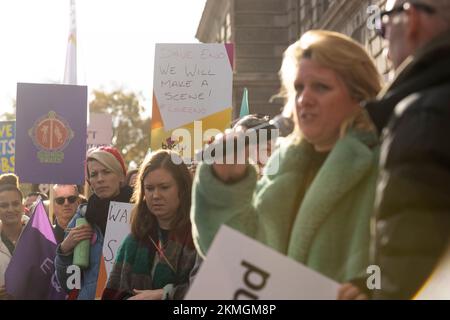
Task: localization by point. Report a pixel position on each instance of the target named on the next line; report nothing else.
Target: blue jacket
(89, 275)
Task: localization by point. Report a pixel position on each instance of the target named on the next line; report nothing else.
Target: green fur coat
(326, 228)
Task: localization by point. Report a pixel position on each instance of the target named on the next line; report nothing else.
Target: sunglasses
(62, 200)
(385, 15)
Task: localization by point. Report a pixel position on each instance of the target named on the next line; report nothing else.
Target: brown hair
(142, 220)
(10, 182)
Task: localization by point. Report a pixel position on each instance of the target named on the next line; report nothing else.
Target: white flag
(70, 71)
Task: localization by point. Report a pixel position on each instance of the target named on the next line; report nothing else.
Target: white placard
(191, 81)
(238, 267)
(117, 228)
(100, 130)
(437, 287)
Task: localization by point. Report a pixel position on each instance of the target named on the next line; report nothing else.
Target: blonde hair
(340, 53)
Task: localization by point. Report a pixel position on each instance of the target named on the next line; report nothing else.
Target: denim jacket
(90, 275)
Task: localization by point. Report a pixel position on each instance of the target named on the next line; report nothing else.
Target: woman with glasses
(315, 207)
(105, 171)
(12, 222)
(155, 260)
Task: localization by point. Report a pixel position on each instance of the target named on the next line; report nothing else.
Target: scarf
(97, 209)
(139, 266)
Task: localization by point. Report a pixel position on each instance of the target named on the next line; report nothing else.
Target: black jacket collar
(428, 67)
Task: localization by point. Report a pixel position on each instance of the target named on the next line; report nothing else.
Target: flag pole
(70, 77)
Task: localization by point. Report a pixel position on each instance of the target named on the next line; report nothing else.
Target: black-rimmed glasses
(385, 15)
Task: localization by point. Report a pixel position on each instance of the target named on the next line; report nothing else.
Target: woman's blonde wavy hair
(344, 56)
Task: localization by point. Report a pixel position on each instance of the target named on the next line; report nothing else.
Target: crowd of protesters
(363, 179)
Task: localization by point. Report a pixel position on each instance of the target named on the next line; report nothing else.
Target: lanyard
(160, 250)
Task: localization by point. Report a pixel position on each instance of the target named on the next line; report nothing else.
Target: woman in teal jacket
(315, 201)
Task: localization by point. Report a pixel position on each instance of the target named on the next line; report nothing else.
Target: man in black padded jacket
(412, 209)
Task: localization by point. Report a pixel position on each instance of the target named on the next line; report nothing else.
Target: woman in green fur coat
(315, 201)
(155, 260)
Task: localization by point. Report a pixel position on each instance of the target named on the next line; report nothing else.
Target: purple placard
(51, 133)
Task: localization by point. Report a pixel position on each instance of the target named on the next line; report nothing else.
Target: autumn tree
(7, 116)
(131, 133)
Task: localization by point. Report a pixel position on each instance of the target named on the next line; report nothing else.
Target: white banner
(117, 229)
(240, 268)
(191, 82)
(100, 131)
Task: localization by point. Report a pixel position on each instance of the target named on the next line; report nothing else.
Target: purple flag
(31, 272)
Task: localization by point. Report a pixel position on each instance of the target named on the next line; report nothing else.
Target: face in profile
(161, 195)
(11, 208)
(104, 182)
(323, 102)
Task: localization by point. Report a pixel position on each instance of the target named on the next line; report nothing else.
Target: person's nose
(100, 178)
(156, 193)
(305, 98)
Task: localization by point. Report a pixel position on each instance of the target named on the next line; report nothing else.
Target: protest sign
(99, 132)
(437, 286)
(7, 146)
(51, 133)
(192, 95)
(191, 81)
(117, 229)
(238, 267)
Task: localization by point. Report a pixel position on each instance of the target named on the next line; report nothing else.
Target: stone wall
(262, 29)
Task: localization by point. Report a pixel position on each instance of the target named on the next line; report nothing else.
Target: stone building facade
(262, 29)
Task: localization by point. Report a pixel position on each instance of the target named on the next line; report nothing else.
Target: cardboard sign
(437, 287)
(192, 81)
(240, 268)
(7, 146)
(99, 132)
(117, 229)
(51, 133)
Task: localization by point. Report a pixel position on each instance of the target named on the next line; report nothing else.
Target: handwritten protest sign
(176, 124)
(7, 146)
(238, 267)
(117, 228)
(191, 81)
(99, 130)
